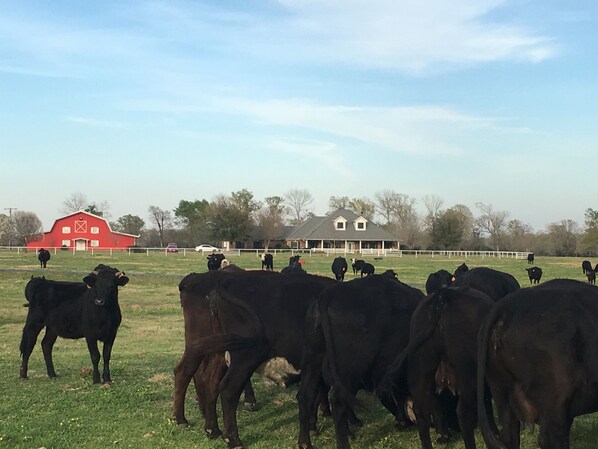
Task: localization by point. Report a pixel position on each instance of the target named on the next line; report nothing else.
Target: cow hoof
(442, 439)
(326, 413)
(314, 432)
(213, 433)
(251, 406)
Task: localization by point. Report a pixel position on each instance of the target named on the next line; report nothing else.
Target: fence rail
(307, 252)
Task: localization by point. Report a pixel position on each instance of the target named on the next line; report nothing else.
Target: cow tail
(490, 438)
(393, 371)
(344, 394)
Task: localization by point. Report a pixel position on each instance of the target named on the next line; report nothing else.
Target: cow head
(104, 282)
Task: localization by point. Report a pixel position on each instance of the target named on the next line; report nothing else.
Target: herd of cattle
(439, 360)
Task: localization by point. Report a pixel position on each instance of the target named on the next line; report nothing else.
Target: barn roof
(91, 215)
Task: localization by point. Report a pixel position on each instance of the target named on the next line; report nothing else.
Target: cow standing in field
(339, 268)
(441, 359)
(586, 266)
(591, 275)
(256, 316)
(215, 261)
(354, 332)
(530, 258)
(43, 255)
(534, 274)
(267, 261)
(537, 351)
(357, 264)
(74, 310)
(294, 266)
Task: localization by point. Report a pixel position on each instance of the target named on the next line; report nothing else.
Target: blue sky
(147, 103)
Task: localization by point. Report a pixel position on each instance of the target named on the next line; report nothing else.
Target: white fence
(307, 252)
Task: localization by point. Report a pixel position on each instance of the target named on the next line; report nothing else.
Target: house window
(66, 243)
(340, 225)
(66, 230)
(95, 243)
(95, 230)
(361, 225)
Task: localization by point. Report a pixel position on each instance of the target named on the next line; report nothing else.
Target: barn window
(95, 230)
(95, 243)
(66, 230)
(66, 243)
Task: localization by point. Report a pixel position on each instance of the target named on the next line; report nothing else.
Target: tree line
(236, 216)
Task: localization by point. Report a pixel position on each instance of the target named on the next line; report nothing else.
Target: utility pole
(10, 209)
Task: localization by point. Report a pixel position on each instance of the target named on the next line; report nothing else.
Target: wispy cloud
(96, 123)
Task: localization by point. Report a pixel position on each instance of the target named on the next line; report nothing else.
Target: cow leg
(340, 414)
(554, 432)
(310, 389)
(92, 346)
(249, 397)
(28, 339)
(422, 407)
(106, 355)
(206, 380)
(511, 427)
(47, 345)
(183, 373)
(467, 414)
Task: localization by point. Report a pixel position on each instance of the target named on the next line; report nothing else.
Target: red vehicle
(172, 248)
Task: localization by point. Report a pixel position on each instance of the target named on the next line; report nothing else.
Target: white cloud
(96, 123)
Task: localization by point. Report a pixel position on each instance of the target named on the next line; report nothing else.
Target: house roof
(322, 228)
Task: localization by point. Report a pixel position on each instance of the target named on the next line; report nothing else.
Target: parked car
(172, 248)
(205, 248)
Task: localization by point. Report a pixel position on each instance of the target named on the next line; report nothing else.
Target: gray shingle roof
(322, 228)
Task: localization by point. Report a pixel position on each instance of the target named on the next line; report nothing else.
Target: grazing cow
(461, 269)
(586, 266)
(537, 352)
(441, 357)
(494, 283)
(267, 261)
(355, 331)
(438, 280)
(43, 255)
(591, 275)
(256, 316)
(215, 261)
(74, 310)
(357, 264)
(534, 274)
(339, 268)
(294, 266)
(530, 258)
(367, 269)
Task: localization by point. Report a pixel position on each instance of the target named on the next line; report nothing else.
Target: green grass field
(135, 411)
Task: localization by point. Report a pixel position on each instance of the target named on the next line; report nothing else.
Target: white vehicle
(205, 248)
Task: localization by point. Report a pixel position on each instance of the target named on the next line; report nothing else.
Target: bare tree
(337, 202)
(74, 203)
(270, 219)
(433, 206)
(493, 223)
(27, 226)
(7, 230)
(298, 202)
(162, 219)
(364, 207)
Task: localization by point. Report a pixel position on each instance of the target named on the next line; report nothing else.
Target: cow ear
(90, 280)
(122, 280)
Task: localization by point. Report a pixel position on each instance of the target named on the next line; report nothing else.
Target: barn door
(80, 245)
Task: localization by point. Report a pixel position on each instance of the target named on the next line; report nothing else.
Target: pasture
(135, 410)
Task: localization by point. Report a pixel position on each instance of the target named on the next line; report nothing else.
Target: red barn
(83, 231)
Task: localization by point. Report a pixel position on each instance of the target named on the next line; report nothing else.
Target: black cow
(267, 261)
(254, 315)
(355, 331)
(43, 255)
(215, 261)
(339, 268)
(367, 269)
(530, 258)
(586, 266)
(441, 357)
(534, 274)
(494, 283)
(74, 310)
(591, 275)
(357, 264)
(294, 266)
(436, 281)
(537, 351)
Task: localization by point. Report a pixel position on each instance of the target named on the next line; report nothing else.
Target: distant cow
(294, 265)
(586, 266)
(534, 274)
(537, 351)
(530, 258)
(74, 310)
(438, 280)
(494, 283)
(215, 261)
(367, 269)
(353, 333)
(357, 264)
(441, 359)
(267, 261)
(339, 268)
(43, 255)
(591, 275)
